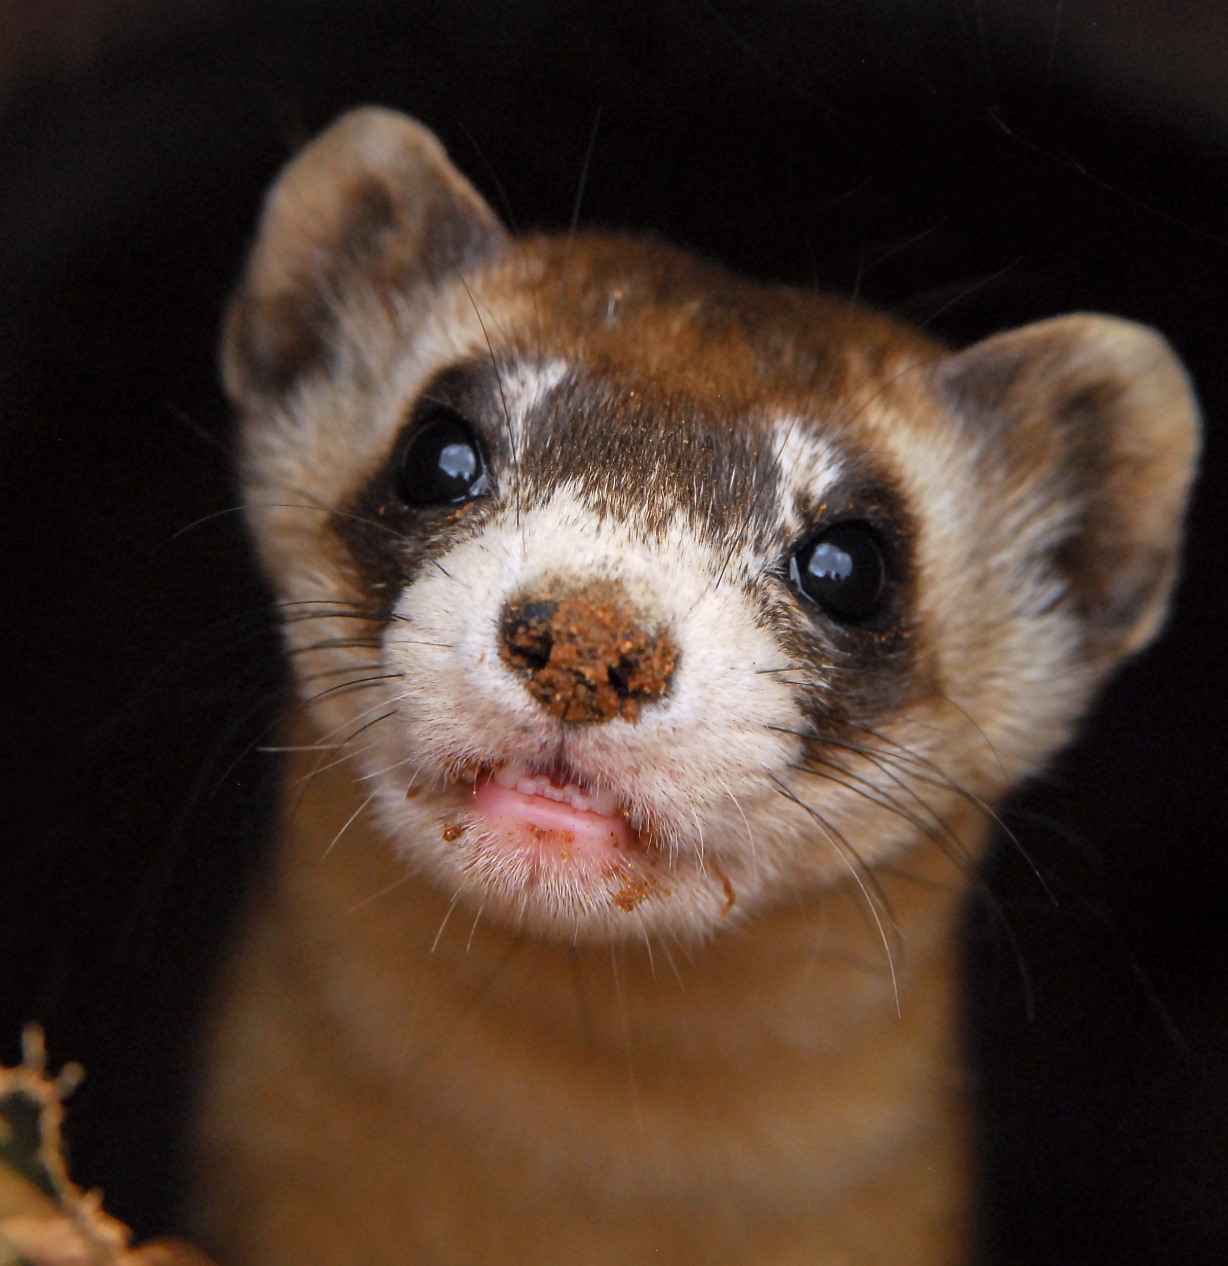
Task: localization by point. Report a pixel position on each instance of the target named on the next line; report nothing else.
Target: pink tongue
(537, 822)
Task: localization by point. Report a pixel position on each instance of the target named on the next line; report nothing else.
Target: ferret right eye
(443, 463)
(843, 571)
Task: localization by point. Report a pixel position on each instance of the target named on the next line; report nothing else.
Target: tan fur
(498, 1100)
(747, 1047)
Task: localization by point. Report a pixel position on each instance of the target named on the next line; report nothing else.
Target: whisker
(299, 747)
(933, 775)
(246, 716)
(207, 518)
(507, 416)
(866, 790)
(993, 751)
(446, 917)
(362, 683)
(831, 834)
(588, 158)
(348, 823)
(652, 967)
(673, 966)
(306, 779)
(340, 760)
(333, 672)
(472, 930)
(575, 214)
(313, 506)
(205, 437)
(957, 851)
(939, 778)
(387, 769)
(335, 644)
(302, 617)
(383, 892)
(490, 171)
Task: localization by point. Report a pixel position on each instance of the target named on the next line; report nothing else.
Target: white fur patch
(809, 465)
(525, 385)
(461, 704)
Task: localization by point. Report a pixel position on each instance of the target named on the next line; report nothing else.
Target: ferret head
(639, 597)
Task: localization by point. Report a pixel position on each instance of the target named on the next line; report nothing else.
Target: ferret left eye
(442, 463)
(843, 571)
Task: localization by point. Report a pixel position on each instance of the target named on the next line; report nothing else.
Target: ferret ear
(1091, 423)
(372, 207)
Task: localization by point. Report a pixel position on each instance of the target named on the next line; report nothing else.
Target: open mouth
(550, 812)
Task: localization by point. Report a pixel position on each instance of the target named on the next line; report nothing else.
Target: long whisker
(575, 213)
(863, 787)
(383, 892)
(362, 683)
(936, 823)
(473, 930)
(922, 770)
(327, 749)
(955, 847)
(868, 891)
(334, 672)
(936, 776)
(348, 823)
(507, 416)
(346, 753)
(446, 917)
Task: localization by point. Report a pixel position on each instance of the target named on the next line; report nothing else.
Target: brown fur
(734, 1046)
(493, 1099)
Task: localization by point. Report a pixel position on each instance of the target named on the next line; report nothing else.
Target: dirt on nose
(586, 657)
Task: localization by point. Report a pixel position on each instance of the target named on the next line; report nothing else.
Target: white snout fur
(692, 761)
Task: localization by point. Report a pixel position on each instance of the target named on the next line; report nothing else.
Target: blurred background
(970, 164)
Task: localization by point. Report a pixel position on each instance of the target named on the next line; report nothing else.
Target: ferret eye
(442, 464)
(843, 571)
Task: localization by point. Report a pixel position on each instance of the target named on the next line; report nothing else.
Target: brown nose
(586, 656)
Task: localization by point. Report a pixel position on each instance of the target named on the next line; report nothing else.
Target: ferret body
(663, 642)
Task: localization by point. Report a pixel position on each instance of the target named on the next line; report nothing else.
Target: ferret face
(639, 597)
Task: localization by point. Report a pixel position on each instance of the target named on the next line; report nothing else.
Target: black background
(972, 166)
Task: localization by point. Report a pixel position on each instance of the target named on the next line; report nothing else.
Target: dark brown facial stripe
(638, 453)
(633, 454)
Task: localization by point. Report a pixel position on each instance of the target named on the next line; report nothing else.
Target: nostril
(527, 636)
(621, 674)
(586, 657)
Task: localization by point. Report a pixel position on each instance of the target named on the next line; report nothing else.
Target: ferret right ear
(1088, 424)
(371, 208)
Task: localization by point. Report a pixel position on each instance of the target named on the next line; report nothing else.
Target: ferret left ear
(1091, 422)
(370, 212)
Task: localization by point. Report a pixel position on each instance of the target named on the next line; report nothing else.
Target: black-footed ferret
(663, 641)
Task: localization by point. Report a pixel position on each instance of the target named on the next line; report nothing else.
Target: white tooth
(603, 801)
(540, 786)
(586, 799)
